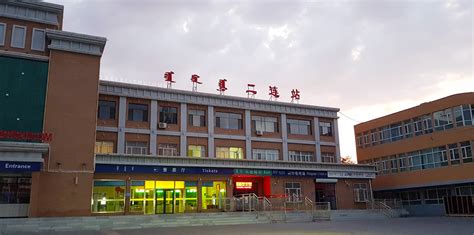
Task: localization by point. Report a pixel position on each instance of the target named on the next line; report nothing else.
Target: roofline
(52, 7)
(204, 94)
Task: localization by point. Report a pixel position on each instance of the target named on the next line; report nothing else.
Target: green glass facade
(22, 94)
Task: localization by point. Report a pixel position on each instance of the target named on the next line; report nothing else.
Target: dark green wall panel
(22, 94)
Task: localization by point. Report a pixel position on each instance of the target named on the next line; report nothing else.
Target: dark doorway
(326, 192)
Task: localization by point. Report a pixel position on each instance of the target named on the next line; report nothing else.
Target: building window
(299, 156)
(422, 125)
(231, 121)
(265, 124)
(384, 134)
(359, 141)
(299, 127)
(440, 156)
(407, 128)
(106, 110)
(466, 151)
(18, 36)
(328, 157)
(15, 190)
(396, 132)
(325, 129)
(138, 112)
(104, 147)
(38, 40)
(108, 196)
(213, 193)
(463, 115)
(361, 193)
(135, 147)
(443, 120)
(229, 153)
(3, 29)
(197, 117)
(168, 150)
(169, 115)
(373, 136)
(196, 151)
(435, 195)
(265, 154)
(393, 164)
(454, 154)
(414, 160)
(403, 162)
(293, 192)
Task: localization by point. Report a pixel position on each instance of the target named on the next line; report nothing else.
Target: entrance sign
(20, 166)
(28, 136)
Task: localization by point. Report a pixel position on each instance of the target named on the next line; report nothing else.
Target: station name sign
(28, 136)
(348, 174)
(20, 166)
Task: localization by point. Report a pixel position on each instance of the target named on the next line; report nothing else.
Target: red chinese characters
(274, 95)
(251, 92)
(295, 95)
(222, 88)
(169, 78)
(194, 79)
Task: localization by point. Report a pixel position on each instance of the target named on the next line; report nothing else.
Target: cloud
(355, 55)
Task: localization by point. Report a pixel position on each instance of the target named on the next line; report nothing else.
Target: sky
(368, 58)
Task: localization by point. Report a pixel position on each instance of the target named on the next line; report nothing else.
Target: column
(336, 138)
(153, 126)
(317, 136)
(248, 135)
(284, 136)
(183, 144)
(121, 125)
(210, 128)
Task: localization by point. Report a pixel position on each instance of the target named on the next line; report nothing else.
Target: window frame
(13, 35)
(301, 156)
(270, 124)
(267, 154)
(325, 129)
(144, 150)
(101, 143)
(202, 151)
(300, 124)
(228, 154)
(114, 110)
(3, 35)
(192, 113)
(163, 148)
(168, 115)
(42, 49)
(360, 192)
(145, 112)
(222, 118)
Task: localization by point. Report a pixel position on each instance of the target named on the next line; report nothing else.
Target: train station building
(72, 145)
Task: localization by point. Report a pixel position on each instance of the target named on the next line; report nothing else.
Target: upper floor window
(328, 157)
(106, 109)
(443, 119)
(229, 120)
(138, 112)
(325, 129)
(454, 154)
(169, 115)
(299, 127)
(104, 147)
(168, 150)
(464, 115)
(135, 147)
(18, 36)
(196, 151)
(38, 40)
(3, 29)
(265, 124)
(197, 117)
(407, 128)
(466, 151)
(396, 132)
(300, 156)
(229, 153)
(265, 154)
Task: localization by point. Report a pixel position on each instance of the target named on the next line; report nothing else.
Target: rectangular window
(38, 40)
(265, 124)
(360, 193)
(385, 134)
(293, 192)
(18, 36)
(366, 139)
(359, 141)
(414, 160)
(231, 121)
(196, 151)
(299, 127)
(403, 162)
(135, 147)
(213, 194)
(468, 114)
(325, 129)
(396, 132)
(440, 156)
(138, 112)
(373, 137)
(3, 29)
(265, 154)
(393, 164)
(106, 110)
(197, 118)
(443, 120)
(15, 190)
(300, 156)
(104, 147)
(407, 128)
(328, 157)
(168, 150)
(229, 153)
(169, 115)
(108, 196)
(454, 154)
(466, 151)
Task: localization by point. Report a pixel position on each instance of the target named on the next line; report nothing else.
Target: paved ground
(416, 226)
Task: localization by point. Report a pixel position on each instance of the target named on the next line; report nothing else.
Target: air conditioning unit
(162, 125)
(259, 132)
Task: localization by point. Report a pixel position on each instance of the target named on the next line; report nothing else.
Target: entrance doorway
(326, 192)
(165, 201)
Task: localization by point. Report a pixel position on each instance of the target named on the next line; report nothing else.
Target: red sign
(243, 185)
(17, 135)
(221, 85)
(273, 92)
(295, 94)
(169, 76)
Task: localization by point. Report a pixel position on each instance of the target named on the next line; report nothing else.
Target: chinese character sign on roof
(274, 95)
(169, 78)
(295, 95)
(251, 91)
(222, 87)
(195, 81)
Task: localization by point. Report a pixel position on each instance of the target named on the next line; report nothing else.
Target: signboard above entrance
(26, 136)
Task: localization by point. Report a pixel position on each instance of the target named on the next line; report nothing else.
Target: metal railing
(383, 207)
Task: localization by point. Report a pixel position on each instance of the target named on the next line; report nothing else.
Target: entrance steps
(364, 214)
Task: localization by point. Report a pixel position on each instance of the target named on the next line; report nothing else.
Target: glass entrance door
(164, 201)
